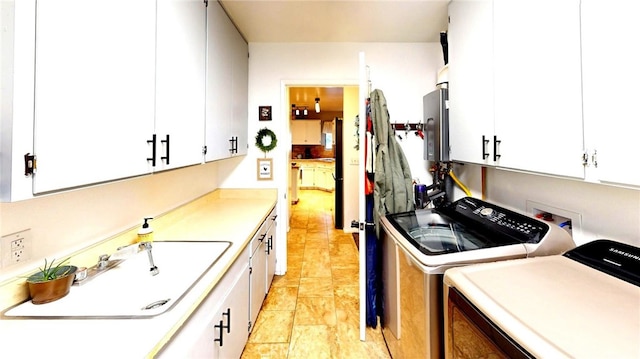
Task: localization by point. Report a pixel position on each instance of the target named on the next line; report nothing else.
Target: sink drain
(156, 304)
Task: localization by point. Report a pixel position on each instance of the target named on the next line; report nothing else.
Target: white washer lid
(555, 307)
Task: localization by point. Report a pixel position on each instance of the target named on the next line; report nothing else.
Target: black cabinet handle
(269, 245)
(166, 142)
(496, 142)
(220, 335)
(485, 154)
(153, 150)
(234, 145)
(228, 326)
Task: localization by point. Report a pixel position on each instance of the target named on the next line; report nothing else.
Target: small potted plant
(51, 282)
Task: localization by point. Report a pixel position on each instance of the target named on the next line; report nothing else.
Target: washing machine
(582, 304)
(419, 246)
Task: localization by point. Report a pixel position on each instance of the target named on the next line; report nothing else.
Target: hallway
(313, 310)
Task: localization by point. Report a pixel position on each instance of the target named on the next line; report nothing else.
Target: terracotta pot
(48, 291)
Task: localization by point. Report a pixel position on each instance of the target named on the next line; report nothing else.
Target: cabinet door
(271, 250)
(470, 38)
(240, 92)
(258, 277)
(219, 108)
(234, 316)
(538, 102)
(307, 176)
(298, 132)
(227, 87)
(94, 91)
(199, 337)
(306, 132)
(180, 82)
(611, 74)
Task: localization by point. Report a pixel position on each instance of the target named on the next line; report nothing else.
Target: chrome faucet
(153, 269)
(106, 261)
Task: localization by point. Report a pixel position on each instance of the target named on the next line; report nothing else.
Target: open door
(363, 80)
(338, 177)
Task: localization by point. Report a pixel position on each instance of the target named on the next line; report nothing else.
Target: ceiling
(331, 98)
(339, 20)
(336, 21)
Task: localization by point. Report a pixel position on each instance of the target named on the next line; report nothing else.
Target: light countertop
(222, 215)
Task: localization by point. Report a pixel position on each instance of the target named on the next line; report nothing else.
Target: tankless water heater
(436, 120)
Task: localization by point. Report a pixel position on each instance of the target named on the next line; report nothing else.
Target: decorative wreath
(265, 132)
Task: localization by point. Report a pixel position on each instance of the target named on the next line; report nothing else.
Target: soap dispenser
(145, 234)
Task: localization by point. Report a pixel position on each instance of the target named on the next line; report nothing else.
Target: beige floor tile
(291, 278)
(347, 297)
(297, 235)
(272, 326)
(281, 298)
(316, 268)
(265, 351)
(311, 341)
(345, 276)
(315, 311)
(315, 287)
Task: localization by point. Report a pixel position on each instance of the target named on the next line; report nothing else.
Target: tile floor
(313, 310)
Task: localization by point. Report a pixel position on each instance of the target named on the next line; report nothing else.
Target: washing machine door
(434, 233)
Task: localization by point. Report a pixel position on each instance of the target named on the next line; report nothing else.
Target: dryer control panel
(492, 218)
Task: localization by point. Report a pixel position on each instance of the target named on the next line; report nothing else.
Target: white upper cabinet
(94, 91)
(515, 85)
(306, 132)
(105, 91)
(240, 92)
(226, 87)
(611, 74)
(537, 86)
(471, 123)
(180, 82)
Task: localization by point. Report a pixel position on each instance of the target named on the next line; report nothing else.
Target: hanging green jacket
(393, 190)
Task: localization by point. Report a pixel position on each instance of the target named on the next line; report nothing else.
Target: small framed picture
(264, 113)
(264, 169)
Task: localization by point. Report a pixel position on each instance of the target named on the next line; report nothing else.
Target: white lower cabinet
(270, 247)
(307, 175)
(317, 176)
(218, 328)
(262, 263)
(257, 276)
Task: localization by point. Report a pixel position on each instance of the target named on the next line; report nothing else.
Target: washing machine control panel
(489, 218)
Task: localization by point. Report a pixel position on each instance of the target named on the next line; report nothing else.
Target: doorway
(316, 149)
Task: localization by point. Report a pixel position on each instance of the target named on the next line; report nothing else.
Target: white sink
(129, 290)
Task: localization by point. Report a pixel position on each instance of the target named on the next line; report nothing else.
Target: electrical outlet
(17, 244)
(15, 248)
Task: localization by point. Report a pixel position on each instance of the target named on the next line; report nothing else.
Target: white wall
(403, 71)
(74, 219)
(607, 212)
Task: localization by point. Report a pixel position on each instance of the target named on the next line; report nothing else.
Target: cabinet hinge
(204, 150)
(29, 164)
(206, 3)
(249, 327)
(593, 157)
(250, 270)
